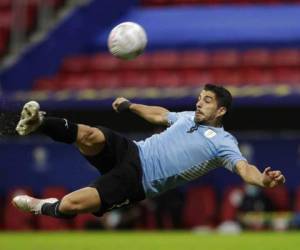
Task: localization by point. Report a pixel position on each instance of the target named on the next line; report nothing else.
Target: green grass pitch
(148, 240)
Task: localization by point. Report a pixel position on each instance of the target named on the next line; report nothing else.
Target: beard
(206, 121)
(199, 118)
(199, 121)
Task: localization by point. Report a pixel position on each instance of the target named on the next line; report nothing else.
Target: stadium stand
(225, 58)
(200, 207)
(13, 219)
(5, 22)
(1, 213)
(195, 78)
(183, 68)
(84, 221)
(297, 200)
(230, 202)
(259, 48)
(191, 59)
(259, 76)
(286, 57)
(279, 196)
(48, 223)
(225, 76)
(9, 12)
(212, 2)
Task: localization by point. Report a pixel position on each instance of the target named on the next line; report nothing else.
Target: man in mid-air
(193, 144)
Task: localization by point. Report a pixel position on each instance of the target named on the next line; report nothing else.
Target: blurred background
(54, 52)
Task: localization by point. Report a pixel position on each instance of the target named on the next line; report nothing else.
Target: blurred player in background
(193, 144)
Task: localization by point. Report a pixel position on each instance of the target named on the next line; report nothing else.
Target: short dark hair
(224, 97)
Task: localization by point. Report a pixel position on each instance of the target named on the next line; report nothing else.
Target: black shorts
(119, 163)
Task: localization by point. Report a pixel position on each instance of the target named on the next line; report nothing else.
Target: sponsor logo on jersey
(209, 133)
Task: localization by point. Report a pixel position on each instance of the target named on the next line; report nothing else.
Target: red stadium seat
(297, 200)
(75, 64)
(51, 84)
(31, 14)
(164, 60)
(5, 5)
(210, 2)
(15, 219)
(184, 2)
(49, 223)
(5, 24)
(257, 76)
(3, 44)
(256, 57)
(164, 78)
(200, 207)
(84, 221)
(140, 63)
(279, 197)
(230, 203)
(55, 3)
(286, 57)
(76, 82)
(155, 2)
(147, 215)
(1, 213)
(225, 58)
(134, 79)
(286, 75)
(227, 77)
(196, 78)
(255, 1)
(54, 192)
(105, 80)
(6, 18)
(194, 59)
(103, 61)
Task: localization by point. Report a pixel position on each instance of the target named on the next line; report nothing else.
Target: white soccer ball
(127, 40)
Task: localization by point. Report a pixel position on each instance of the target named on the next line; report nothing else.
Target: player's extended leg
(89, 140)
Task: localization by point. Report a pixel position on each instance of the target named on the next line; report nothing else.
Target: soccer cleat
(29, 204)
(31, 118)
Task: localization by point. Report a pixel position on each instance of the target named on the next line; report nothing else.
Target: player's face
(207, 110)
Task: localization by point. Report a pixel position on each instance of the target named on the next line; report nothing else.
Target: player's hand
(117, 103)
(272, 178)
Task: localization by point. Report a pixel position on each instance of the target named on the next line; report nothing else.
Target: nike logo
(66, 123)
(126, 202)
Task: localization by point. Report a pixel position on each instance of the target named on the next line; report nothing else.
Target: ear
(221, 111)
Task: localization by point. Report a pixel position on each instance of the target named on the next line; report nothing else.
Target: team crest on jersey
(209, 133)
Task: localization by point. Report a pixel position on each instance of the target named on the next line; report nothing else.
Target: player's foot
(29, 204)
(31, 118)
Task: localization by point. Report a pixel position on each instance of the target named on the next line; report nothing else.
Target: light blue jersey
(177, 156)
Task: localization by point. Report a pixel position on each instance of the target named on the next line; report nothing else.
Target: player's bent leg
(85, 200)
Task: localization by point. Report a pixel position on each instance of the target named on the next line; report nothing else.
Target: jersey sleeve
(173, 117)
(230, 154)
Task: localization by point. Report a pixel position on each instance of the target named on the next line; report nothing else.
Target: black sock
(59, 129)
(52, 209)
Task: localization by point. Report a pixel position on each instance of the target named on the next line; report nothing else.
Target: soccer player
(193, 144)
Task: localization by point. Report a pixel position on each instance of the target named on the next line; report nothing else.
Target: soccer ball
(127, 40)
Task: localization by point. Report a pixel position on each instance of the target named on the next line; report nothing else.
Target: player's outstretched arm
(267, 178)
(153, 114)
